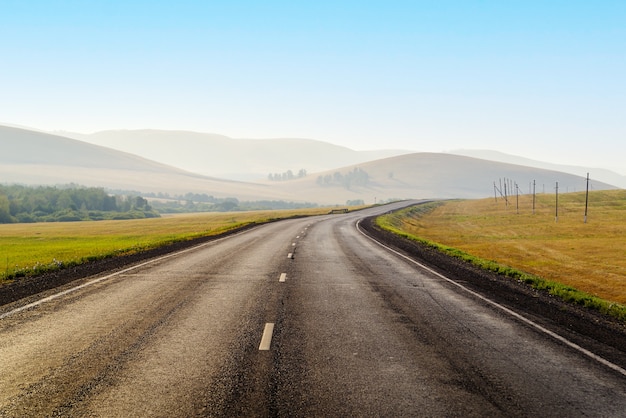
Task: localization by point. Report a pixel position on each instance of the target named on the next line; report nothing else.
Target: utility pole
(556, 216)
(506, 198)
(516, 198)
(587, 198)
(534, 196)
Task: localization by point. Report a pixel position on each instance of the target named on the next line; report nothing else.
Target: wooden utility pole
(587, 198)
(506, 198)
(534, 196)
(556, 216)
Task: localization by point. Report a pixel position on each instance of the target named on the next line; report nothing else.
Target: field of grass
(589, 257)
(29, 249)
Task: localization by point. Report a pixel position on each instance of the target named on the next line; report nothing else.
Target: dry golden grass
(587, 256)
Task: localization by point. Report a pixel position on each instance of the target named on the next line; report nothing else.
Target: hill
(30, 157)
(432, 175)
(601, 174)
(235, 159)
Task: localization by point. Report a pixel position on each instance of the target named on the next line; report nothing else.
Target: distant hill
(434, 175)
(30, 157)
(235, 159)
(601, 174)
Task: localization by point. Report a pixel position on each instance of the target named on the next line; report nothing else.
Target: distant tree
(356, 177)
(5, 214)
(287, 175)
(65, 201)
(227, 205)
(68, 203)
(139, 202)
(109, 204)
(356, 202)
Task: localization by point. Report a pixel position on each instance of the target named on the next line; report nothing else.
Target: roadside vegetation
(69, 203)
(29, 249)
(583, 263)
(72, 203)
(229, 204)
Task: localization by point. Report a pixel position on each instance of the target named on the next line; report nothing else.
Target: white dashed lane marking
(266, 339)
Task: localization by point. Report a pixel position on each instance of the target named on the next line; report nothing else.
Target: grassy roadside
(32, 249)
(582, 263)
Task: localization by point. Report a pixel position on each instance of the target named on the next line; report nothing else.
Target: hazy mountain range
(234, 159)
(253, 159)
(334, 174)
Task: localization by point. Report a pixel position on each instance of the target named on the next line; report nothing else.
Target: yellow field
(587, 256)
(27, 249)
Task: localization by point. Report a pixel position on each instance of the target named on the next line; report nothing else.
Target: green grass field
(30, 249)
(582, 262)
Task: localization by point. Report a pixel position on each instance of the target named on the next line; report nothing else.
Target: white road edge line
(266, 339)
(283, 277)
(100, 279)
(503, 308)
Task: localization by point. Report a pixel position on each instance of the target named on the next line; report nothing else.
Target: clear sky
(541, 79)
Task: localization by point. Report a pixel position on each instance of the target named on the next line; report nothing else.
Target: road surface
(299, 318)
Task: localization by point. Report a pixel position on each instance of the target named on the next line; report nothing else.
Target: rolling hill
(603, 175)
(31, 157)
(235, 159)
(435, 175)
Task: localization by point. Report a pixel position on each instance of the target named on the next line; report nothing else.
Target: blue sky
(542, 79)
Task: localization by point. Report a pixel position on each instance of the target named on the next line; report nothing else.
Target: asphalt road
(298, 318)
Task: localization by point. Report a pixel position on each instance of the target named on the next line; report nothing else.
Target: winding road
(300, 318)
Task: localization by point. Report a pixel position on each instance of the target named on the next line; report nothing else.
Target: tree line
(202, 202)
(287, 175)
(27, 204)
(228, 204)
(355, 178)
(71, 203)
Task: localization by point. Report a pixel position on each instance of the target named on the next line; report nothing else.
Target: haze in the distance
(543, 80)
